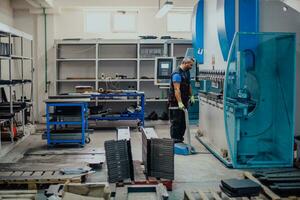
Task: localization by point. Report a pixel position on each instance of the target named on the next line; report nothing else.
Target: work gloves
(192, 99)
(181, 106)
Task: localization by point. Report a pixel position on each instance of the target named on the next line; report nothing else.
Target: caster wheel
(139, 128)
(87, 140)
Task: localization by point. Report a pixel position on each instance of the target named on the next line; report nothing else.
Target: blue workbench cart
(57, 127)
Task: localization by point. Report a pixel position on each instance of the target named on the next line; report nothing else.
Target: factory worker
(179, 96)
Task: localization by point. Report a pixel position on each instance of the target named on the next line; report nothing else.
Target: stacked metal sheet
(284, 182)
(147, 135)
(240, 187)
(158, 155)
(117, 160)
(123, 133)
(162, 158)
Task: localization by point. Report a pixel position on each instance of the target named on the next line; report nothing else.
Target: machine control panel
(163, 70)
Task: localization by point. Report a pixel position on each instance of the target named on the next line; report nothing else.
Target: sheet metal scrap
(75, 170)
(123, 133)
(158, 155)
(284, 182)
(117, 160)
(162, 156)
(147, 135)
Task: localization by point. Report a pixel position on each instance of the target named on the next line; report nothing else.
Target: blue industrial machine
(246, 116)
(259, 100)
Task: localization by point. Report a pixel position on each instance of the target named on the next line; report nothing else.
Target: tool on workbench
(185, 148)
(83, 88)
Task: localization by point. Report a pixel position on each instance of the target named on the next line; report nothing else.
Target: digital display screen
(164, 69)
(165, 66)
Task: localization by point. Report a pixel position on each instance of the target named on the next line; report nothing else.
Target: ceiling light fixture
(168, 5)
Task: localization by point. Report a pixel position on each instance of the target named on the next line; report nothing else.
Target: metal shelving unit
(110, 57)
(18, 56)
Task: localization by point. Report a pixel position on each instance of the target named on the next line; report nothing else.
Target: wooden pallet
(215, 195)
(267, 191)
(33, 176)
(265, 194)
(18, 194)
(95, 157)
(141, 179)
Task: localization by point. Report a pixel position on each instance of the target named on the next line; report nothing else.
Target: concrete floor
(200, 171)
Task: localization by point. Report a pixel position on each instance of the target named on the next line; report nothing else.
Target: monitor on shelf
(163, 69)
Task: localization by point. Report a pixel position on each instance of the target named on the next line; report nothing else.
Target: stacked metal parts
(284, 182)
(117, 160)
(147, 135)
(240, 187)
(158, 155)
(162, 158)
(123, 133)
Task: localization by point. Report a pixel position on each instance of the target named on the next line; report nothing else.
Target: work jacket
(184, 88)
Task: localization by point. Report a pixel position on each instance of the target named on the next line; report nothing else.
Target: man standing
(179, 96)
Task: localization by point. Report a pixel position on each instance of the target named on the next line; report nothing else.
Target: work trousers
(178, 125)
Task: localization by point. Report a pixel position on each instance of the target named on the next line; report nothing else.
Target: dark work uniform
(177, 117)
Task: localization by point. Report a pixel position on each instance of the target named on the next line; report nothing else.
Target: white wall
(119, 3)
(147, 24)
(72, 17)
(6, 12)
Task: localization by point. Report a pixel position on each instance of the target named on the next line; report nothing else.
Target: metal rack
(83, 62)
(16, 41)
(54, 121)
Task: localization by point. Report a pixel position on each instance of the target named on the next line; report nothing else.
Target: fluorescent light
(168, 5)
